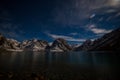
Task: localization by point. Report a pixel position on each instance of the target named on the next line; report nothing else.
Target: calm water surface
(63, 66)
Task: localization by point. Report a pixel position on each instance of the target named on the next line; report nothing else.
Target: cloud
(93, 15)
(73, 11)
(117, 15)
(13, 34)
(114, 3)
(96, 30)
(100, 31)
(74, 33)
(68, 38)
(8, 27)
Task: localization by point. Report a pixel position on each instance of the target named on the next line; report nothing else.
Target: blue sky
(73, 20)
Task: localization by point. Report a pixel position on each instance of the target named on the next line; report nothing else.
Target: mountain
(34, 45)
(8, 44)
(2, 40)
(85, 46)
(60, 45)
(109, 42)
(13, 44)
(27, 45)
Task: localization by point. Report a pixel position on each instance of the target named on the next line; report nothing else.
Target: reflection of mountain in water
(88, 65)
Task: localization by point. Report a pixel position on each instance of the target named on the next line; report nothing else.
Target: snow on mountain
(109, 42)
(9, 44)
(60, 45)
(33, 45)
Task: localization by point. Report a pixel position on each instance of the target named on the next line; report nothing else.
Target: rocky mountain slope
(60, 45)
(27, 45)
(8, 44)
(33, 45)
(109, 42)
(85, 46)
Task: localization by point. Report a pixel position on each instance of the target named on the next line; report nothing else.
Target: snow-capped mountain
(109, 42)
(13, 43)
(9, 44)
(27, 45)
(60, 45)
(34, 45)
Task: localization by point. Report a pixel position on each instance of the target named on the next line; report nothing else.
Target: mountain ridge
(108, 42)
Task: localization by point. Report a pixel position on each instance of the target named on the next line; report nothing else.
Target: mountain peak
(60, 44)
(108, 42)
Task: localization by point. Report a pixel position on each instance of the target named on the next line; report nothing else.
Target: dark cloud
(7, 25)
(68, 38)
(74, 12)
(62, 17)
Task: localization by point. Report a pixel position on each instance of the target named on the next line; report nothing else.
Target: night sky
(73, 20)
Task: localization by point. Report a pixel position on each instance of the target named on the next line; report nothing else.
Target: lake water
(60, 66)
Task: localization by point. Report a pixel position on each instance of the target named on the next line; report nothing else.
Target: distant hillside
(109, 42)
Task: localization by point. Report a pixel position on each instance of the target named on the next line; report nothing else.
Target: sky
(73, 20)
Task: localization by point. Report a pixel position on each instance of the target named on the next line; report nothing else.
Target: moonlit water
(72, 65)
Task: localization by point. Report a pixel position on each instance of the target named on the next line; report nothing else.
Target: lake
(59, 66)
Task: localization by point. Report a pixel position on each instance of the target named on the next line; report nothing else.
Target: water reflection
(99, 64)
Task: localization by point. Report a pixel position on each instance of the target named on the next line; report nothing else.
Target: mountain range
(108, 42)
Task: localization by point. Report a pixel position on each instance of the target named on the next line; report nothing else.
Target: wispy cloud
(74, 33)
(100, 31)
(68, 38)
(96, 30)
(74, 11)
(114, 3)
(8, 27)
